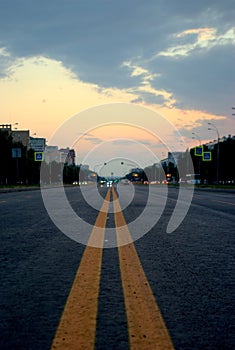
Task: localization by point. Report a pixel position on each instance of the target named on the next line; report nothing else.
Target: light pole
(128, 164)
(196, 137)
(217, 161)
(96, 165)
(199, 160)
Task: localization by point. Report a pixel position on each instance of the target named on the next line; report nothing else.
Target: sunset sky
(60, 58)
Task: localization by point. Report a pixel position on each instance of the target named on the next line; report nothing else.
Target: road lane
(146, 326)
(191, 272)
(37, 266)
(77, 326)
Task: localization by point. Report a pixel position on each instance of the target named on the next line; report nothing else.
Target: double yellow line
(77, 327)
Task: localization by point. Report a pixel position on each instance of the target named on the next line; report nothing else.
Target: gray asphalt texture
(191, 272)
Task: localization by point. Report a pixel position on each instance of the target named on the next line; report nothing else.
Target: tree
(5, 157)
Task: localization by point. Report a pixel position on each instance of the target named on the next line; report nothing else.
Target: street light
(129, 164)
(218, 138)
(196, 137)
(199, 140)
(96, 165)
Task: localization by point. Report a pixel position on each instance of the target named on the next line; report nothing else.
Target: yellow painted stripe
(77, 327)
(146, 327)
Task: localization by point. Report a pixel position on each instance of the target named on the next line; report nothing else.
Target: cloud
(206, 39)
(178, 55)
(144, 89)
(94, 140)
(4, 52)
(138, 71)
(126, 142)
(5, 61)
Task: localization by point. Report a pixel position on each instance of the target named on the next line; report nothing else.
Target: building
(173, 158)
(21, 136)
(84, 167)
(52, 154)
(67, 156)
(17, 135)
(5, 127)
(213, 143)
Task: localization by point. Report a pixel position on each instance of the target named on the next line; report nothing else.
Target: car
(164, 182)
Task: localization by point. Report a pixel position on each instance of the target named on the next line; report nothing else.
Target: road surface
(164, 291)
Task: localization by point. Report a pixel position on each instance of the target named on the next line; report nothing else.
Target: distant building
(84, 167)
(67, 156)
(213, 143)
(5, 127)
(173, 158)
(52, 154)
(17, 135)
(136, 170)
(21, 136)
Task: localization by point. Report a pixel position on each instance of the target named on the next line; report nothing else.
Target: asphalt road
(191, 271)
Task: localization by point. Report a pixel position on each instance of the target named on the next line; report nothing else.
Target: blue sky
(169, 54)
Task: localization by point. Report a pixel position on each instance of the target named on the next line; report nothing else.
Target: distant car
(166, 182)
(102, 183)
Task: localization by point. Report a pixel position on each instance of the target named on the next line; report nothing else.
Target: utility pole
(199, 158)
(217, 160)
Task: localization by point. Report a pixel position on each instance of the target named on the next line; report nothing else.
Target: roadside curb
(210, 189)
(8, 190)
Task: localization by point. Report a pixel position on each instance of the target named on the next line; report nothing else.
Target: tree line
(24, 169)
(20, 168)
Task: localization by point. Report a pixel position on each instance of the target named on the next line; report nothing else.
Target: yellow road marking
(146, 327)
(77, 325)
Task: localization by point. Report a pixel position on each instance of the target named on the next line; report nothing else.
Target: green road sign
(206, 156)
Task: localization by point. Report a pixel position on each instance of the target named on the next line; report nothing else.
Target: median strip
(146, 327)
(77, 325)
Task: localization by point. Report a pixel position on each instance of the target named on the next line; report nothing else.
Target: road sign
(198, 151)
(16, 152)
(37, 144)
(207, 156)
(38, 156)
